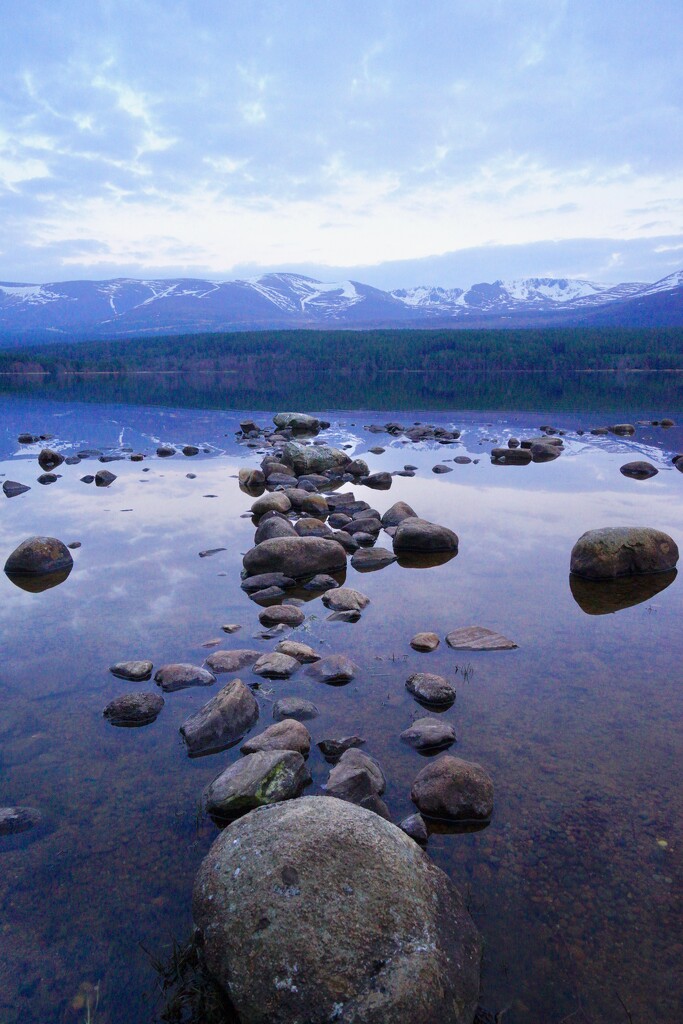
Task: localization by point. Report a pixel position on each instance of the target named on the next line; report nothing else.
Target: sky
(394, 142)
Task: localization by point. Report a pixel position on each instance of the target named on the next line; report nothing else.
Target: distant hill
(128, 308)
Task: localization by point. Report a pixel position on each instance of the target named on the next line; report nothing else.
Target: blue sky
(395, 142)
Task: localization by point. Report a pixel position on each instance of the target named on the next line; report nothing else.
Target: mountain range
(125, 307)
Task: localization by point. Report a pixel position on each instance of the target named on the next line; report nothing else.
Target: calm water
(575, 884)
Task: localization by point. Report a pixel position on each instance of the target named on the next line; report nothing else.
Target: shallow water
(575, 884)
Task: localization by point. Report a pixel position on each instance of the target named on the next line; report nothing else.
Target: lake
(575, 884)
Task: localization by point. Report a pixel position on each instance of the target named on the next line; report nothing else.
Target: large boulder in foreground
(39, 556)
(318, 910)
(415, 534)
(622, 551)
(296, 557)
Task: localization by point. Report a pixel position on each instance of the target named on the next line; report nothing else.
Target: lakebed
(575, 883)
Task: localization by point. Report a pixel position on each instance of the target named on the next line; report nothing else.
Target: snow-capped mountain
(128, 307)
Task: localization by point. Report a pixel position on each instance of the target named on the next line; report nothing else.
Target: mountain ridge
(135, 307)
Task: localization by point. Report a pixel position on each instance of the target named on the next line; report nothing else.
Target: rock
(134, 708)
(288, 614)
(345, 599)
(334, 668)
(377, 450)
(179, 676)
(273, 501)
(231, 661)
(49, 478)
(355, 777)
(297, 557)
(390, 943)
(248, 427)
(425, 642)
(332, 749)
(440, 468)
(18, 819)
(103, 478)
(453, 789)
(12, 488)
(275, 665)
(231, 627)
(266, 777)
(312, 528)
(414, 534)
(378, 481)
(414, 826)
(267, 596)
(285, 735)
(358, 467)
(251, 479)
(429, 734)
(478, 638)
(266, 579)
(165, 451)
(302, 652)
(348, 542)
(511, 456)
(297, 421)
(544, 451)
(320, 583)
(369, 559)
(135, 671)
(222, 721)
(314, 504)
(306, 459)
(294, 707)
(623, 429)
(399, 511)
(49, 459)
(88, 479)
(39, 556)
(210, 551)
(638, 470)
(28, 438)
(281, 480)
(271, 529)
(430, 689)
(666, 422)
(621, 551)
(190, 449)
(366, 526)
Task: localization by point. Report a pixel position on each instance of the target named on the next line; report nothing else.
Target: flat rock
(12, 488)
(391, 942)
(638, 470)
(39, 556)
(231, 661)
(429, 734)
(275, 665)
(622, 551)
(289, 734)
(425, 642)
(222, 721)
(18, 819)
(429, 688)
(294, 707)
(302, 652)
(414, 534)
(370, 559)
(135, 671)
(453, 789)
(345, 599)
(287, 614)
(179, 676)
(334, 668)
(478, 638)
(134, 708)
(265, 777)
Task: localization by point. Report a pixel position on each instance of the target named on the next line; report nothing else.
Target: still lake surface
(575, 884)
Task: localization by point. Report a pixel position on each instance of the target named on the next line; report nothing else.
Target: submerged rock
(231, 661)
(18, 819)
(621, 551)
(135, 671)
(332, 749)
(478, 638)
(390, 943)
(453, 789)
(429, 688)
(345, 599)
(287, 614)
(222, 721)
(180, 675)
(134, 708)
(334, 668)
(429, 734)
(294, 707)
(425, 642)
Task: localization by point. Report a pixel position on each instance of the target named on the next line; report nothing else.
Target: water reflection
(36, 584)
(600, 597)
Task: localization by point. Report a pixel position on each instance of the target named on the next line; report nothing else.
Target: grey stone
(270, 529)
(222, 721)
(425, 642)
(38, 556)
(276, 501)
(638, 470)
(320, 583)
(297, 421)
(134, 708)
(275, 665)
(414, 534)
(429, 688)
(103, 478)
(288, 614)
(414, 826)
(334, 668)
(297, 557)
(12, 488)
(429, 734)
(378, 481)
(289, 734)
(622, 551)
(391, 941)
(265, 777)
(453, 789)
(179, 676)
(267, 579)
(345, 599)
(332, 749)
(49, 459)
(302, 652)
(18, 819)
(399, 511)
(231, 661)
(369, 559)
(294, 707)
(135, 671)
(478, 638)
(306, 459)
